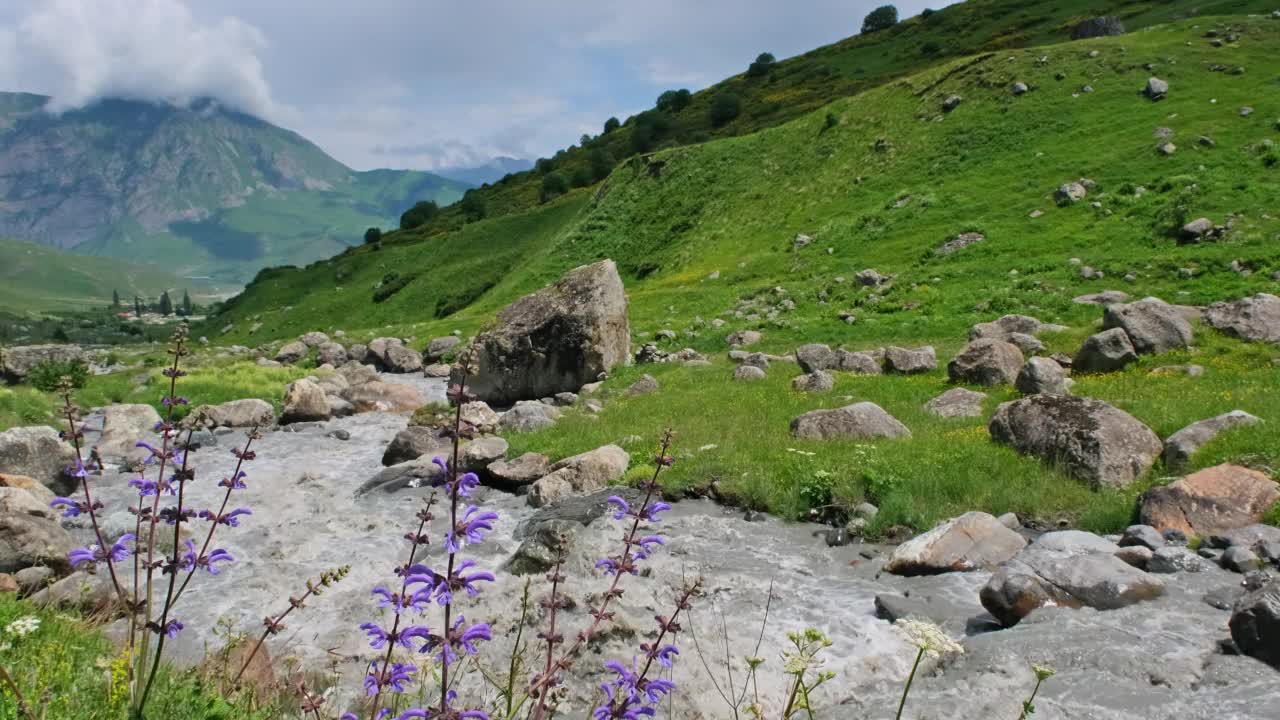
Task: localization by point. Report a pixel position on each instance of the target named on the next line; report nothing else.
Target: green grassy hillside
(39, 278)
(881, 180)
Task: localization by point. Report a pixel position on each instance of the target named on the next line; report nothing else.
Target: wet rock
(1210, 502)
(480, 453)
(555, 340)
(860, 363)
(292, 352)
(645, 385)
(972, 541)
(250, 412)
(37, 452)
(527, 416)
(27, 540)
(910, 362)
(1107, 351)
(956, 402)
(419, 472)
(339, 407)
(1067, 574)
(814, 357)
(986, 362)
(1135, 555)
(1089, 439)
(580, 475)
(1153, 326)
(1255, 624)
(1171, 559)
(414, 442)
(818, 381)
(357, 373)
(304, 401)
(1180, 446)
(864, 421)
(1041, 375)
(339, 434)
(1254, 319)
(382, 396)
(748, 373)
(513, 474)
(538, 551)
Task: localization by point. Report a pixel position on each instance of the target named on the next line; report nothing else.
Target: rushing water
(306, 518)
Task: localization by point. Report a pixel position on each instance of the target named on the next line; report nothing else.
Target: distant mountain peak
(489, 172)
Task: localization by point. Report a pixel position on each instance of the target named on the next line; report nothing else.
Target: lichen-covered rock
(814, 382)
(555, 340)
(1254, 319)
(862, 363)
(910, 362)
(292, 352)
(860, 421)
(37, 452)
(27, 540)
(748, 373)
(1089, 439)
(16, 363)
(580, 475)
(1107, 351)
(441, 346)
(1255, 624)
(331, 353)
(1180, 446)
(986, 361)
(1041, 375)
(414, 442)
(814, 357)
(304, 401)
(973, 541)
(1153, 326)
(956, 402)
(249, 412)
(529, 415)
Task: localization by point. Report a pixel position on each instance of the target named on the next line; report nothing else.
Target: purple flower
(647, 545)
(172, 628)
(609, 565)
(118, 550)
(395, 678)
(629, 696)
(236, 483)
(623, 509)
(187, 561)
(467, 581)
(71, 508)
(651, 511)
(146, 488)
(217, 556)
(78, 470)
(472, 635)
(229, 519)
(378, 638)
(80, 556)
(171, 400)
(664, 655)
(417, 600)
(466, 481)
(473, 525)
(95, 554)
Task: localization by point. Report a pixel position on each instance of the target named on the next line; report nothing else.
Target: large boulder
(439, 347)
(580, 475)
(480, 416)
(16, 363)
(37, 452)
(973, 541)
(814, 382)
(1153, 325)
(956, 402)
(815, 357)
(1255, 624)
(304, 401)
(33, 487)
(27, 540)
(518, 472)
(123, 426)
(1255, 319)
(1101, 26)
(986, 361)
(379, 396)
(910, 362)
(1041, 375)
(1006, 325)
(314, 339)
(249, 412)
(1068, 573)
(390, 355)
(1107, 351)
(414, 442)
(860, 421)
(23, 502)
(1180, 446)
(555, 340)
(1212, 501)
(331, 353)
(1089, 439)
(862, 363)
(292, 352)
(482, 452)
(419, 472)
(529, 415)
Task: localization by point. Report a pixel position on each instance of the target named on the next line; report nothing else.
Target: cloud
(78, 51)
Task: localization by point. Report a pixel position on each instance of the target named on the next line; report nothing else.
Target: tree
(373, 235)
(611, 124)
(553, 185)
(186, 304)
(137, 306)
(673, 101)
(581, 177)
(763, 64)
(472, 205)
(115, 298)
(544, 166)
(601, 162)
(166, 305)
(882, 18)
(420, 214)
(725, 107)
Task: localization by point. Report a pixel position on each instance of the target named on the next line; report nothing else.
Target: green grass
(67, 670)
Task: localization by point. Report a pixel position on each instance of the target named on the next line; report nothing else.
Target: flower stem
(902, 703)
(1026, 706)
(17, 694)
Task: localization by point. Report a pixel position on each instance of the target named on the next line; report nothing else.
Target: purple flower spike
(651, 512)
(377, 636)
(665, 654)
(78, 470)
(187, 561)
(472, 635)
(236, 483)
(474, 524)
(80, 556)
(71, 508)
(172, 628)
(623, 509)
(217, 556)
(118, 550)
(145, 487)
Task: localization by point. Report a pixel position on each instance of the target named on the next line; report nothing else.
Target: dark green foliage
(601, 162)
(166, 305)
(724, 108)
(137, 306)
(761, 67)
(392, 283)
(611, 124)
(473, 206)
(544, 166)
(581, 177)
(186, 304)
(46, 375)
(830, 121)
(553, 186)
(926, 13)
(420, 214)
(374, 235)
(115, 298)
(882, 18)
(460, 299)
(674, 100)
(930, 48)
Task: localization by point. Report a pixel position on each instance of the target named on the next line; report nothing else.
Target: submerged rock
(973, 541)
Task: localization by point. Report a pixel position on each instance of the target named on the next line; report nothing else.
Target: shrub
(48, 374)
(391, 284)
(674, 101)
(601, 162)
(724, 108)
(373, 235)
(553, 185)
(472, 206)
(611, 124)
(930, 48)
(581, 177)
(882, 18)
(418, 215)
(763, 64)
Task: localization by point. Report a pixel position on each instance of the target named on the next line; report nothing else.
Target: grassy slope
(38, 277)
(733, 206)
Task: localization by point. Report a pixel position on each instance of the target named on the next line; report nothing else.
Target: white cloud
(78, 51)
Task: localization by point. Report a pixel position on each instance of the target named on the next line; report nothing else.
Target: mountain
(202, 190)
(490, 172)
(41, 278)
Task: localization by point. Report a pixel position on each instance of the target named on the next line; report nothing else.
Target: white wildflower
(929, 637)
(23, 626)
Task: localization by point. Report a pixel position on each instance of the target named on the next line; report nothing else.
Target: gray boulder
(1180, 446)
(1102, 26)
(1107, 351)
(419, 472)
(482, 452)
(1104, 298)
(1089, 439)
(748, 373)
(973, 541)
(1041, 375)
(1153, 326)
(1028, 344)
(28, 540)
(910, 362)
(123, 426)
(986, 361)
(292, 352)
(1070, 193)
(814, 357)
(580, 475)
(521, 471)
(857, 362)
(1173, 559)
(1255, 624)
(441, 346)
(817, 381)
(557, 339)
(304, 401)
(39, 453)
(314, 339)
(235, 413)
(860, 421)
(331, 353)
(743, 338)
(1254, 319)
(956, 402)
(480, 416)
(1195, 231)
(1156, 89)
(645, 385)
(400, 359)
(1052, 571)
(414, 442)
(529, 415)
(16, 363)
(1143, 535)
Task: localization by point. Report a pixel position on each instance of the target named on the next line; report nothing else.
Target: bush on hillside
(882, 18)
(761, 67)
(724, 108)
(374, 235)
(553, 186)
(391, 284)
(472, 206)
(601, 162)
(674, 101)
(611, 124)
(46, 375)
(420, 214)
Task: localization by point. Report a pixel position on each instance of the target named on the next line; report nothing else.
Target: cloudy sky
(418, 84)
